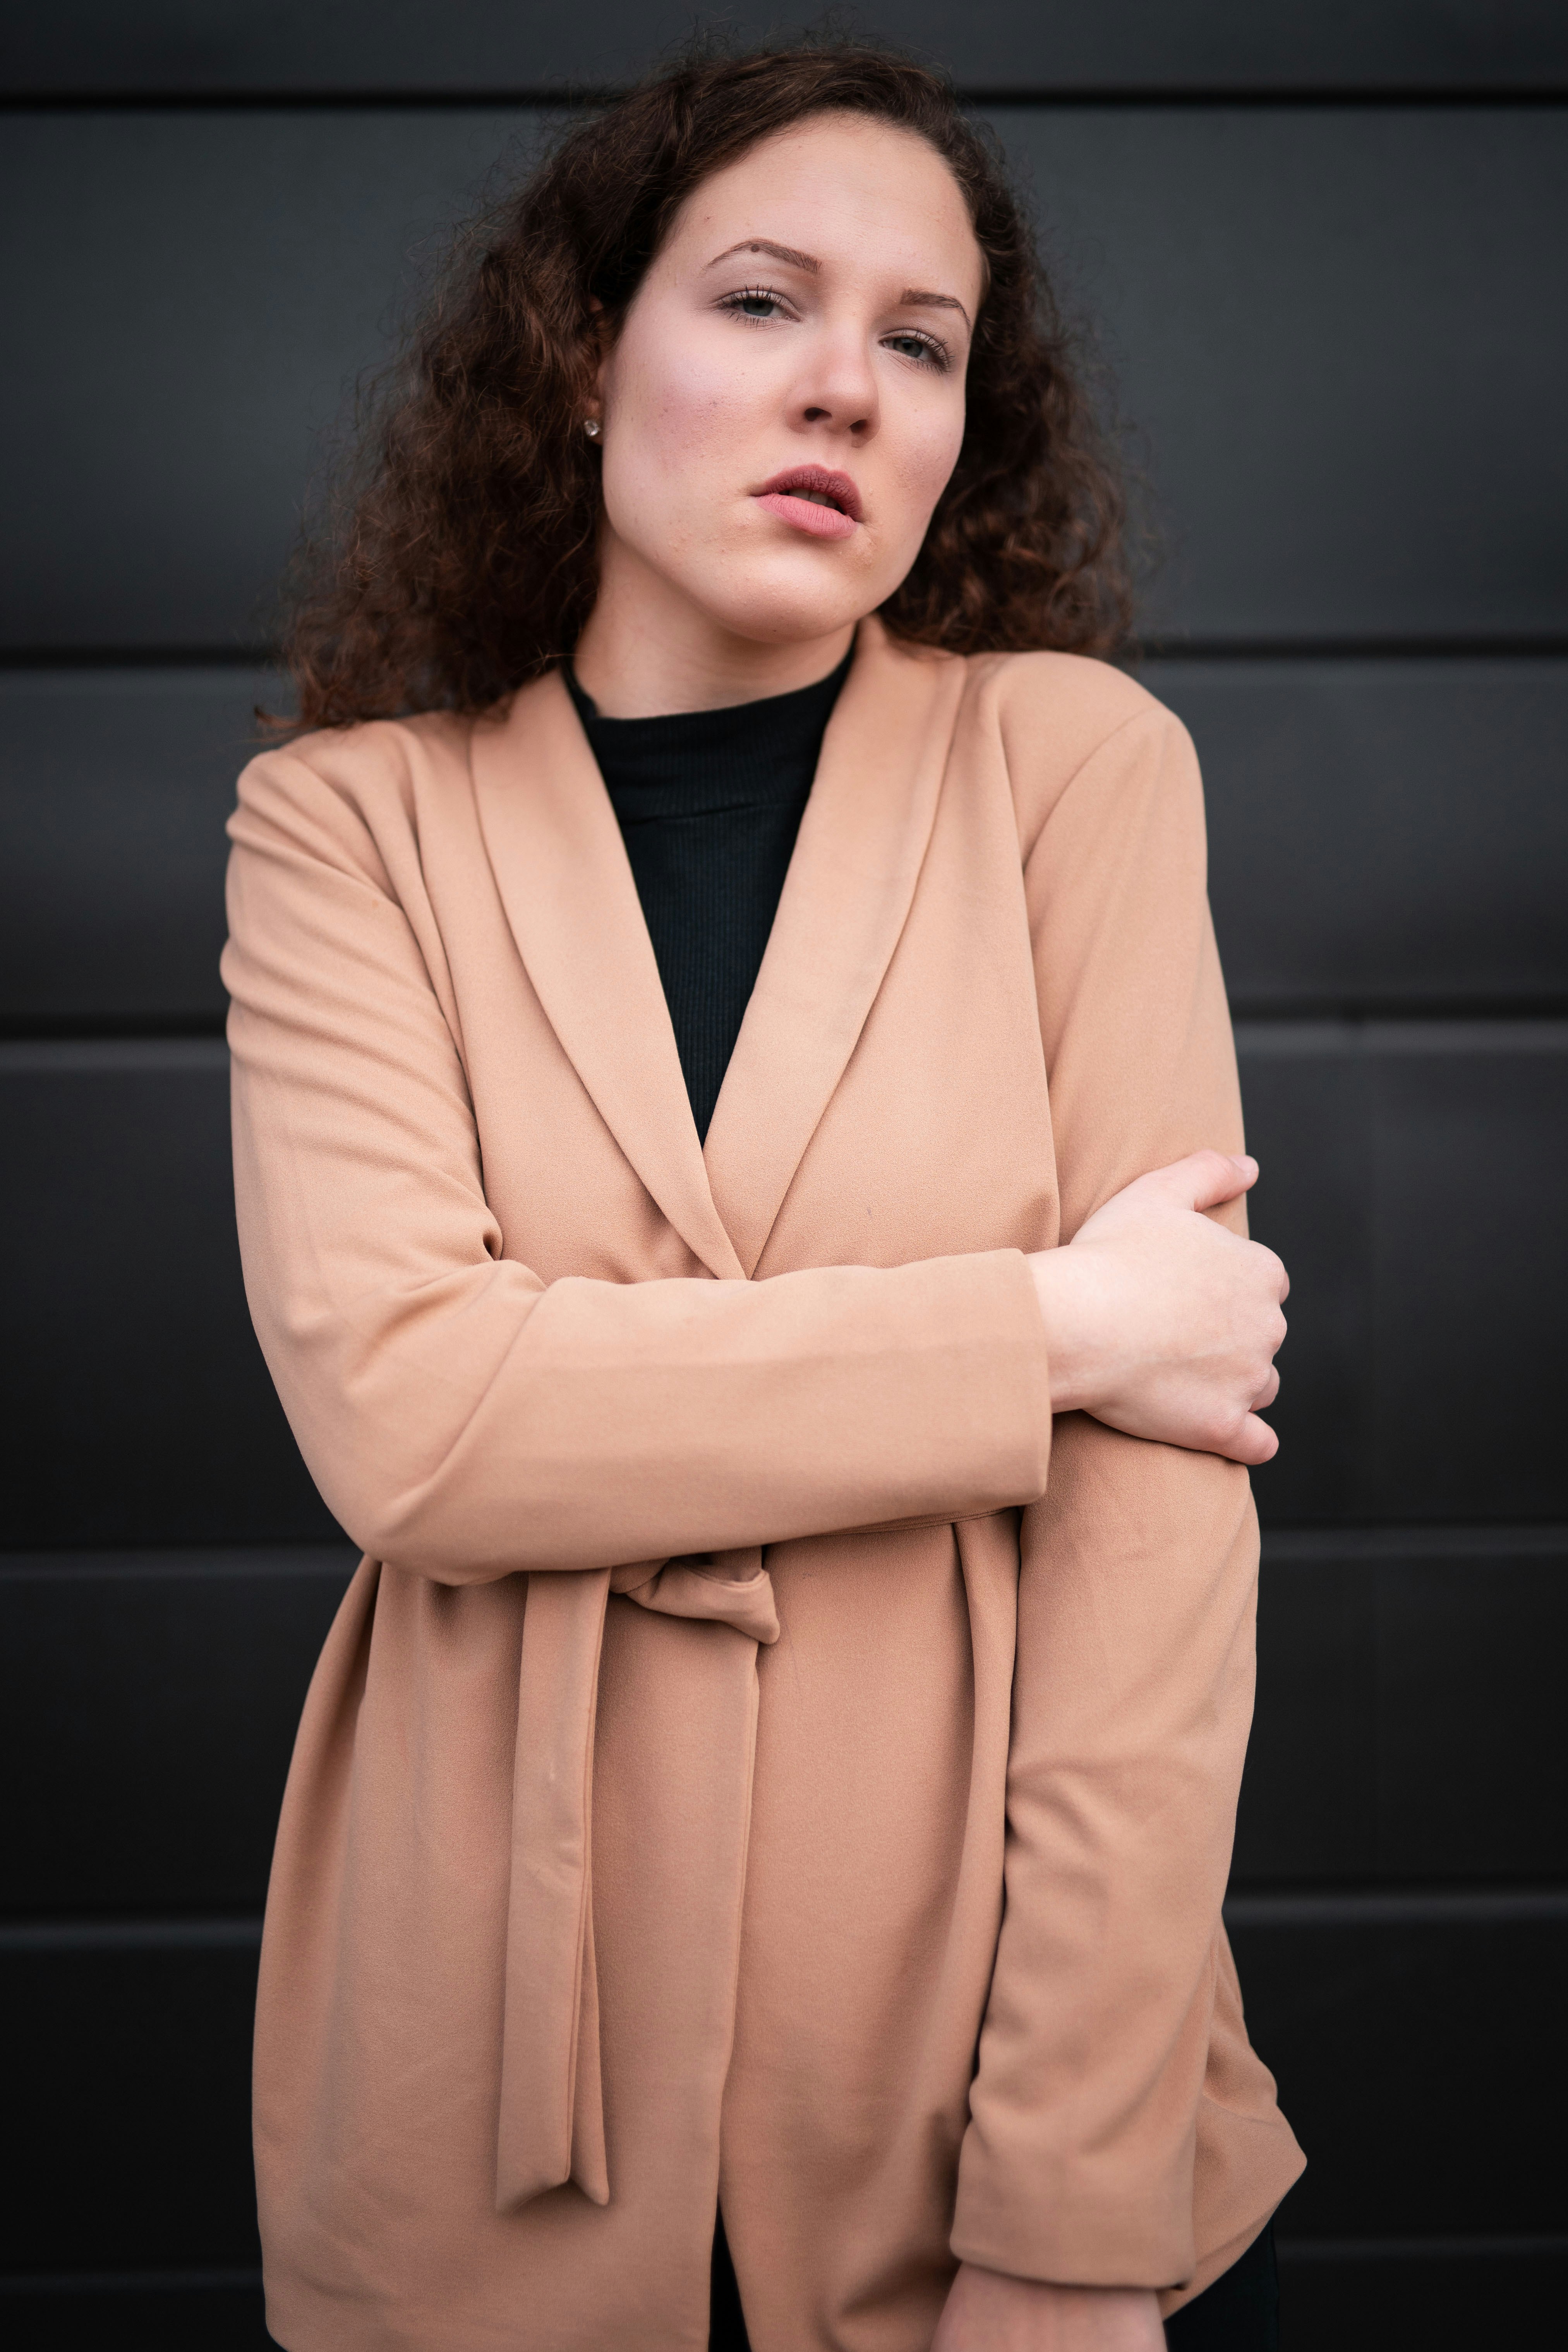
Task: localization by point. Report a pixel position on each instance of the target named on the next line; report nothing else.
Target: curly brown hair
(464, 560)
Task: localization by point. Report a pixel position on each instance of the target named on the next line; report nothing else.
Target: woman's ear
(600, 345)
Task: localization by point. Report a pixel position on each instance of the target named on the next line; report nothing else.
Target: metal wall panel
(148, 1706)
(1405, 1734)
(115, 787)
(1384, 835)
(135, 1397)
(1411, 1178)
(153, 2311)
(1340, 360)
(129, 2093)
(1430, 2017)
(242, 270)
(145, 1414)
(1417, 2047)
(1328, 332)
(404, 44)
(1406, 1723)
(1335, 330)
(1454, 2292)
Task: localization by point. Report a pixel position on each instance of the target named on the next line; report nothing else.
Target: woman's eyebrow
(941, 302)
(765, 245)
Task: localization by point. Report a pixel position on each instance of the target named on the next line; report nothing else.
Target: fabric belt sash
(552, 2109)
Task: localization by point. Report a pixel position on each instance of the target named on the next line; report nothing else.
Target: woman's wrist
(990, 2311)
(1071, 1312)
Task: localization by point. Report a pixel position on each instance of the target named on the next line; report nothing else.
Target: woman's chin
(793, 612)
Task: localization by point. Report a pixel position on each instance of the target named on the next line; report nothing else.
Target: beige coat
(734, 1769)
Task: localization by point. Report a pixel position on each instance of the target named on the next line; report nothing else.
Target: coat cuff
(1083, 2232)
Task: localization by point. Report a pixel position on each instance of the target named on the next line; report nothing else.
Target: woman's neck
(642, 656)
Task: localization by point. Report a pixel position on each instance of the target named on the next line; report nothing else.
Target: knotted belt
(551, 2108)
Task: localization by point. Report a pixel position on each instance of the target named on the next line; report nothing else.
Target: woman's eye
(755, 303)
(916, 347)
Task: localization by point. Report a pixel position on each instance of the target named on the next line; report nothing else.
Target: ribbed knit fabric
(709, 802)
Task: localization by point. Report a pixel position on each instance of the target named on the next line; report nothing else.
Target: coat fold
(551, 2111)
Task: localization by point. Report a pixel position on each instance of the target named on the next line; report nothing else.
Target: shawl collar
(567, 885)
(567, 888)
(846, 898)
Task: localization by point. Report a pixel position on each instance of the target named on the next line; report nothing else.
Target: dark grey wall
(1323, 245)
(215, 48)
(1321, 317)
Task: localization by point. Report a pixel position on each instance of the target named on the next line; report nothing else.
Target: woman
(755, 1761)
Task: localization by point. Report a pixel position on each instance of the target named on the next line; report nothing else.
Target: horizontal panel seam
(200, 1564)
(1342, 2250)
(130, 1935)
(34, 1057)
(1304, 1545)
(1194, 652)
(1506, 1033)
(127, 2281)
(1247, 1911)
(1490, 1908)
(1178, 97)
(1445, 1540)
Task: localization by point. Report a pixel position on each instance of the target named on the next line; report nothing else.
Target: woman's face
(785, 402)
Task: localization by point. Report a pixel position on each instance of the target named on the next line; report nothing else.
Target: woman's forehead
(832, 188)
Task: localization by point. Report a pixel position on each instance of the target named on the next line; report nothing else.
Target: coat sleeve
(464, 1418)
(1133, 1685)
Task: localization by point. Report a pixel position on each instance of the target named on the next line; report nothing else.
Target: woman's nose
(839, 390)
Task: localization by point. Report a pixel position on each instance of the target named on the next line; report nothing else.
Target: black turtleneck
(709, 802)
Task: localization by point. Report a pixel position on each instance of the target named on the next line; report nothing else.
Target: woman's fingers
(1205, 1179)
(1278, 1278)
(1254, 1442)
(1251, 1442)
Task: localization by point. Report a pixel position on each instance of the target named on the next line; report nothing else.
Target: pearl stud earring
(591, 427)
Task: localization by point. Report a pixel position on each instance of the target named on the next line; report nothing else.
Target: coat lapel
(847, 894)
(567, 885)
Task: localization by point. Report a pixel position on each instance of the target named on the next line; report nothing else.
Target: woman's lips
(823, 504)
(820, 522)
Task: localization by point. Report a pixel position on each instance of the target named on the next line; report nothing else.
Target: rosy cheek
(693, 403)
(929, 463)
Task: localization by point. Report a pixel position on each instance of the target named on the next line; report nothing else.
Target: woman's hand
(987, 2312)
(1161, 1322)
